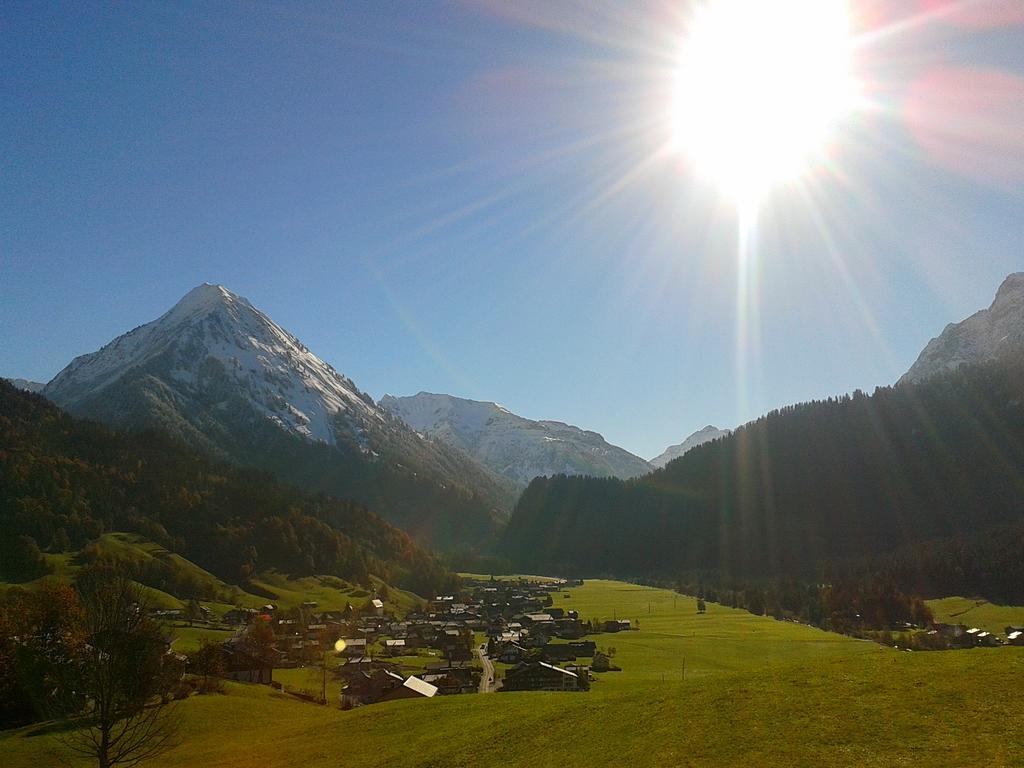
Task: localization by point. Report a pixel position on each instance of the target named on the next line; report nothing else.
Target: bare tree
(123, 671)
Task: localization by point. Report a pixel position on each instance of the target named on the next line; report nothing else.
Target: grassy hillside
(64, 482)
(131, 551)
(977, 613)
(757, 692)
(880, 710)
(719, 641)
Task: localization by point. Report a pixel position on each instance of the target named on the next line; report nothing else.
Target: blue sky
(467, 197)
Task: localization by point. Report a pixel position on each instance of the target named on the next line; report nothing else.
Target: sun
(761, 86)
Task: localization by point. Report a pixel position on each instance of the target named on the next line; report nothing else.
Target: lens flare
(760, 88)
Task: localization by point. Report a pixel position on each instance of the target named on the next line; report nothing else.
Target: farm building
(413, 688)
(540, 676)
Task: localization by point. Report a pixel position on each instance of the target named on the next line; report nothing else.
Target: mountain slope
(512, 446)
(699, 437)
(64, 482)
(800, 488)
(985, 335)
(216, 372)
(212, 334)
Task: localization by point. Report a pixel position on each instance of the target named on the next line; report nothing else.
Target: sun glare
(761, 86)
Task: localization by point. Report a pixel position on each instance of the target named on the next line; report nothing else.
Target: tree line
(65, 481)
(900, 479)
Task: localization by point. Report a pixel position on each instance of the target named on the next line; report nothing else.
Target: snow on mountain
(513, 446)
(212, 332)
(216, 373)
(697, 438)
(985, 335)
(28, 386)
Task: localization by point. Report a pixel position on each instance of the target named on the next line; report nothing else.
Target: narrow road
(487, 676)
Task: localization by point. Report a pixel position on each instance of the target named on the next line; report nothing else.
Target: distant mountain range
(512, 446)
(985, 335)
(697, 438)
(25, 384)
(216, 372)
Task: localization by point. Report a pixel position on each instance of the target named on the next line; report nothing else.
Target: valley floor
(756, 692)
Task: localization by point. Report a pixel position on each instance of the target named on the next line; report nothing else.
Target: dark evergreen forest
(924, 482)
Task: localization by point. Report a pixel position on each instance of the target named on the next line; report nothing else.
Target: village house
(247, 663)
(354, 646)
(511, 653)
(583, 647)
(369, 687)
(559, 652)
(617, 625)
(983, 639)
(238, 616)
(353, 667)
(955, 635)
(582, 672)
(540, 676)
(412, 688)
(569, 628)
(452, 678)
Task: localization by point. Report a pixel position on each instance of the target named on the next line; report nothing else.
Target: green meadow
(671, 639)
(129, 549)
(756, 692)
(977, 613)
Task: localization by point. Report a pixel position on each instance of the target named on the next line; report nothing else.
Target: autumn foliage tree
(35, 625)
(104, 670)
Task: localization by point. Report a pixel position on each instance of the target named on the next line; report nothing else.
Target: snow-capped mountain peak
(510, 445)
(699, 437)
(985, 335)
(215, 337)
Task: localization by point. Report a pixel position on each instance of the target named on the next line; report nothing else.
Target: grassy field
(977, 613)
(672, 634)
(309, 680)
(188, 638)
(757, 692)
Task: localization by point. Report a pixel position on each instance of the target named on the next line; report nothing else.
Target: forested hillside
(820, 484)
(64, 481)
(218, 374)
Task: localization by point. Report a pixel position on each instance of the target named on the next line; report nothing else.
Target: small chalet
(559, 652)
(511, 653)
(248, 663)
(354, 646)
(617, 625)
(369, 687)
(540, 676)
(413, 688)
